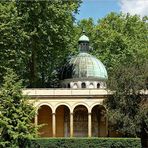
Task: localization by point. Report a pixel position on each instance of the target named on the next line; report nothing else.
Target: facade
(76, 109)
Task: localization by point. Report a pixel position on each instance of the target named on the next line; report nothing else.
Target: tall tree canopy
(128, 106)
(35, 38)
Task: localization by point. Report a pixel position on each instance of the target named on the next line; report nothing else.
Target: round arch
(95, 104)
(44, 116)
(62, 103)
(62, 112)
(99, 120)
(81, 103)
(80, 120)
(45, 103)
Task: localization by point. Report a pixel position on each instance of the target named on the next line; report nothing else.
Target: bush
(84, 143)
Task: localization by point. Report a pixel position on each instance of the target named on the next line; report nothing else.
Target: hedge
(84, 143)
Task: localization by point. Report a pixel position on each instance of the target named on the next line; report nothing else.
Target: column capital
(89, 113)
(71, 113)
(53, 113)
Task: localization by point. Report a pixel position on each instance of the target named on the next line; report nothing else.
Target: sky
(100, 8)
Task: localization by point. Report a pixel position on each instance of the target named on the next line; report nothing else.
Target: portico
(73, 113)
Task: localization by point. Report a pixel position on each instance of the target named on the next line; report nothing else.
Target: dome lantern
(83, 43)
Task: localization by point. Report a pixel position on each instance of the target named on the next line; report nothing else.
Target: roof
(84, 66)
(84, 38)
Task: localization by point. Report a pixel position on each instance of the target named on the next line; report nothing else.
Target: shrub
(84, 143)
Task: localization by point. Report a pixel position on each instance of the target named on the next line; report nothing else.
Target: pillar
(106, 121)
(71, 124)
(53, 125)
(89, 125)
(36, 119)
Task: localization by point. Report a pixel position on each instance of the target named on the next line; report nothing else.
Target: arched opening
(99, 124)
(80, 121)
(45, 118)
(62, 121)
(68, 85)
(83, 85)
(98, 85)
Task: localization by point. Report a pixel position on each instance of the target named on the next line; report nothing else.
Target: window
(98, 85)
(83, 85)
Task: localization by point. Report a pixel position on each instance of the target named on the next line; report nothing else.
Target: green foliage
(85, 143)
(128, 105)
(142, 122)
(35, 37)
(15, 113)
(120, 38)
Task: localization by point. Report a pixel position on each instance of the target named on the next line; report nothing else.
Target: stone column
(71, 124)
(53, 125)
(106, 121)
(89, 124)
(36, 119)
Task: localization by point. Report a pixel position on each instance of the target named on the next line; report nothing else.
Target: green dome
(84, 66)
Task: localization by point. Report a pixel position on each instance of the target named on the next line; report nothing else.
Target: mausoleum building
(76, 109)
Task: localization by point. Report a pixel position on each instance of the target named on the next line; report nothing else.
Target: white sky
(139, 7)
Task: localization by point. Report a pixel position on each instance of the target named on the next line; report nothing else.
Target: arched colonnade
(79, 120)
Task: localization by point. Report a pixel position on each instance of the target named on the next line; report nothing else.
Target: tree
(142, 122)
(35, 38)
(16, 113)
(128, 105)
(119, 38)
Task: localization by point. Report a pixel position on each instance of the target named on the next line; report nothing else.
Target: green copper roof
(85, 65)
(84, 38)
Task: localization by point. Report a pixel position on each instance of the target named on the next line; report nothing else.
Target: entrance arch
(99, 121)
(45, 118)
(80, 121)
(62, 121)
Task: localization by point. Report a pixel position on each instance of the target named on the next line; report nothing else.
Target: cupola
(84, 70)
